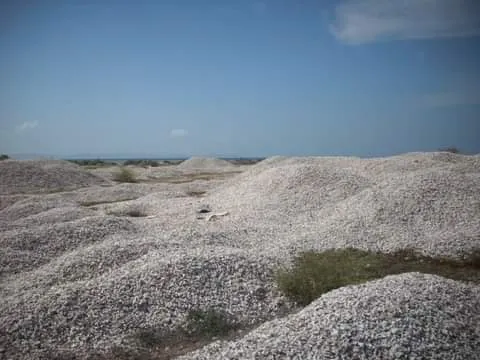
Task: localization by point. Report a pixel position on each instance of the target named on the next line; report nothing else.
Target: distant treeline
(93, 162)
(139, 162)
(99, 162)
(243, 161)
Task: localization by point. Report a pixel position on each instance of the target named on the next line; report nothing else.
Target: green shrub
(4, 157)
(125, 175)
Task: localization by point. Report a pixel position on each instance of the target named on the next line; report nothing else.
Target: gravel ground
(79, 273)
(408, 316)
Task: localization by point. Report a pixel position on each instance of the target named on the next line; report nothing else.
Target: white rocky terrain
(85, 262)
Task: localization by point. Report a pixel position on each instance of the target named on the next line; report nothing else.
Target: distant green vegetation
(93, 162)
(315, 273)
(451, 149)
(4, 157)
(139, 162)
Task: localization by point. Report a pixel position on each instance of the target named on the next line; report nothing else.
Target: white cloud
(27, 125)
(445, 99)
(364, 21)
(178, 133)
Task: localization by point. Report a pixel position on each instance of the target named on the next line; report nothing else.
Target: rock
(204, 209)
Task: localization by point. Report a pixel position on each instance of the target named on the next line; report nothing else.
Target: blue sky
(239, 77)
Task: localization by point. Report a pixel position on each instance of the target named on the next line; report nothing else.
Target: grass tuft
(315, 273)
(125, 175)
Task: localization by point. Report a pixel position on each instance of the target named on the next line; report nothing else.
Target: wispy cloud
(364, 21)
(446, 99)
(178, 133)
(27, 125)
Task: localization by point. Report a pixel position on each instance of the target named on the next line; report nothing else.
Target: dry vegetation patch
(101, 202)
(315, 273)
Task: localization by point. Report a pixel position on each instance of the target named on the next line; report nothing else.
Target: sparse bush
(125, 175)
(314, 274)
(209, 323)
(4, 157)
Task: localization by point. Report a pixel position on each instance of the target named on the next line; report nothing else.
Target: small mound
(291, 188)
(436, 211)
(36, 245)
(32, 205)
(83, 263)
(117, 193)
(52, 216)
(419, 161)
(40, 176)
(8, 200)
(398, 317)
(200, 163)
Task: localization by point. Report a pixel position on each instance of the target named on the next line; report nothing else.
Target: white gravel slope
(25, 248)
(78, 277)
(195, 163)
(318, 203)
(30, 176)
